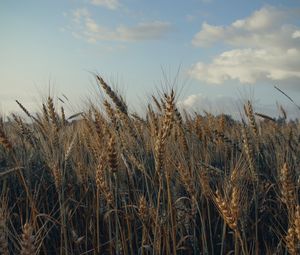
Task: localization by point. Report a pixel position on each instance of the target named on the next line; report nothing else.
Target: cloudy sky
(225, 51)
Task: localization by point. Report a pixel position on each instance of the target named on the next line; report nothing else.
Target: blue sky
(227, 51)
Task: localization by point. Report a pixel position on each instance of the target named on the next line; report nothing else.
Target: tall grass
(114, 182)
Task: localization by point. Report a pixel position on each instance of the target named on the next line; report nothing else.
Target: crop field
(109, 181)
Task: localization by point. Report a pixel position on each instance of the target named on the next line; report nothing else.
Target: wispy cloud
(109, 4)
(86, 27)
(265, 46)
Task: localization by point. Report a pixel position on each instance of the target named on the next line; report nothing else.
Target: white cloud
(296, 34)
(110, 4)
(215, 105)
(265, 46)
(249, 66)
(87, 28)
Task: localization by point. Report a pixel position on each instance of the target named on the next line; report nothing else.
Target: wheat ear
(28, 240)
(114, 97)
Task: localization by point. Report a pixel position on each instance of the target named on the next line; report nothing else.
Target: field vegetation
(169, 182)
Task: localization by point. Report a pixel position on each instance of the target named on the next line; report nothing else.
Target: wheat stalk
(3, 233)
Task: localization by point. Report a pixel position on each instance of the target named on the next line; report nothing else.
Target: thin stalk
(63, 211)
(210, 224)
(223, 238)
(157, 225)
(97, 222)
(116, 215)
(171, 214)
(256, 224)
(236, 242)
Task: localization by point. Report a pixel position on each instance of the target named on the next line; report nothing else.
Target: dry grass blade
(282, 92)
(75, 115)
(9, 171)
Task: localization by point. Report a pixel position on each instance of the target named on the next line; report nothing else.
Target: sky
(215, 53)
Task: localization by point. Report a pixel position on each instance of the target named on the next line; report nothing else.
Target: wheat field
(169, 182)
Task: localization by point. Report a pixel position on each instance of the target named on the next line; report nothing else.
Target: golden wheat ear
(287, 186)
(28, 240)
(226, 210)
(118, 101)
(4, 140)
